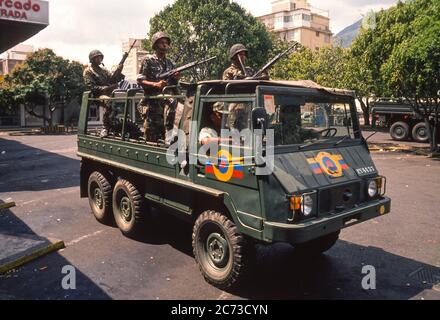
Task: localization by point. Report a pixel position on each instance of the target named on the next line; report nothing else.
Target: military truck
(320, 179)
(401, 120)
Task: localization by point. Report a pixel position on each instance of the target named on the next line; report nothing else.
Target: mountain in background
(346, 37)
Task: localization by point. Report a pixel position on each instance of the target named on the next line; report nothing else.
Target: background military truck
(397, 116)
(320, 179)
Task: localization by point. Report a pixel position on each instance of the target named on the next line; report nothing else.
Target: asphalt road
(41, 174)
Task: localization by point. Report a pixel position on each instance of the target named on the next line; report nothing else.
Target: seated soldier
(213, 124)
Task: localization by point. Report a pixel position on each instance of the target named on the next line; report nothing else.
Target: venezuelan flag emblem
(332, 165)
(227, 167)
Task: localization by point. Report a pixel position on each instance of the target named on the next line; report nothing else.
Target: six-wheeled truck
(399, 117)
(290, 180)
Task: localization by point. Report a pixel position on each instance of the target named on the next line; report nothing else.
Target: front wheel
(399, 131)
(223, 254)
(319, 245)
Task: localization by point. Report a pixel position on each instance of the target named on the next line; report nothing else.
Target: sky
(76, 26)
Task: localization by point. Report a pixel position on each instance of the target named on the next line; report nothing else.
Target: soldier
(235, 71)
(157, 115)
(98, 81)
(239, 112)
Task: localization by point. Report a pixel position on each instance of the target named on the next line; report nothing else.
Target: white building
(297, 20)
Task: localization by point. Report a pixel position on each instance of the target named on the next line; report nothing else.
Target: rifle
(243, 68)
(260, 72)
(167, 75)
(117, 73)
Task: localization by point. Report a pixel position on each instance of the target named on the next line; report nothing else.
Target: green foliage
(325, 66)
(44, 79)
(201, 29)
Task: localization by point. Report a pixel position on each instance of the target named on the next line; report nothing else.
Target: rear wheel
(420, 133)
(100, 197)
(319, 245)
(127, 208)
(399, 131)
(223, 254)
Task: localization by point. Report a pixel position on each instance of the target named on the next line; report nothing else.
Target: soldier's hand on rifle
(161, 84)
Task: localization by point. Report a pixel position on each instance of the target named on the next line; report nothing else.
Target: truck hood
(315, 169)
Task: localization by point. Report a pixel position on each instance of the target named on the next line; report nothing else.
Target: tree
(45, 79)
(201, 29)
(401, 54)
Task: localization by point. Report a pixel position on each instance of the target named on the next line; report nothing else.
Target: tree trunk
(30, 110)
(365, 110)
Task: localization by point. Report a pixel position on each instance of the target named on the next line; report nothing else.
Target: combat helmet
(95, 53)
(236, 49)
(157, 36)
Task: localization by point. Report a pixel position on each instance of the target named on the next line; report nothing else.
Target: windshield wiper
(342, 140)
(308, 144)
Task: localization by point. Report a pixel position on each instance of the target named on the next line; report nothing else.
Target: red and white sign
(31, 11)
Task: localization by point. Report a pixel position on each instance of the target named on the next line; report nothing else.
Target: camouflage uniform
(239, 112)
(234, 72)
(96, 80)
(158, 115)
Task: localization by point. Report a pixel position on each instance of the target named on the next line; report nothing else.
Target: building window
(306, 17)
(317, 33)
(288, 19)
(327, 38)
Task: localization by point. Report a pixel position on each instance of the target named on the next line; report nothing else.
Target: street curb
(54, 245)
(7, 205)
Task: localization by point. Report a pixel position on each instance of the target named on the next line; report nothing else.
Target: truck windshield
(307, 120)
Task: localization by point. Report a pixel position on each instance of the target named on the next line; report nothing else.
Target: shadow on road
(281, 273)
(42, 278)
(24, 168)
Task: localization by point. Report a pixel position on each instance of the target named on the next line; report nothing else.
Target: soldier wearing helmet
(238, 112)
(238, 70)
(158, 116)
(98, 81)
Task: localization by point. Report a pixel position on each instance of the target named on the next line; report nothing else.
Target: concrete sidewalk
(17, 249)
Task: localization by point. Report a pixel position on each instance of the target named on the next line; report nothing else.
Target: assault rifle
(168, 75)
(117, 74)
(260, 73)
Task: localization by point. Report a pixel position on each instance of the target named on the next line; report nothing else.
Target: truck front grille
(337, 199)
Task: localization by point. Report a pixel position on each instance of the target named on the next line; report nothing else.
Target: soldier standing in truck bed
(158, 115)
(98, 81)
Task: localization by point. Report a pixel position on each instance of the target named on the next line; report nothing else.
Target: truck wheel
(221, 251)
(420, 133)
(100, 197)
(127, 208)
(319, 245)
(399, 131)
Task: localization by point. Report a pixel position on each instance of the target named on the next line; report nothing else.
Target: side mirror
(260, 119)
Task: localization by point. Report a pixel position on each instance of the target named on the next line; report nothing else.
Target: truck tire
(399, 131)
(319, 245)
(420, 133)
(127, 208)
(100, 197)
(223, 254)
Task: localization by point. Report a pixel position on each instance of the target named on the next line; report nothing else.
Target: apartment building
(297, 20)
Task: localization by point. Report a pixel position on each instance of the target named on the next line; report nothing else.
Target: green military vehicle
(317, 178)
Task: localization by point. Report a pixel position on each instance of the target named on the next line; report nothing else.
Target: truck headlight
(372, 188)
(303, 205)
(376, 187)
(306, 205)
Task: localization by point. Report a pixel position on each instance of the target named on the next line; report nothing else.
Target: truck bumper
(304, 232)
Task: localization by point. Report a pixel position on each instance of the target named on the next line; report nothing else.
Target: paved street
(41, 174)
